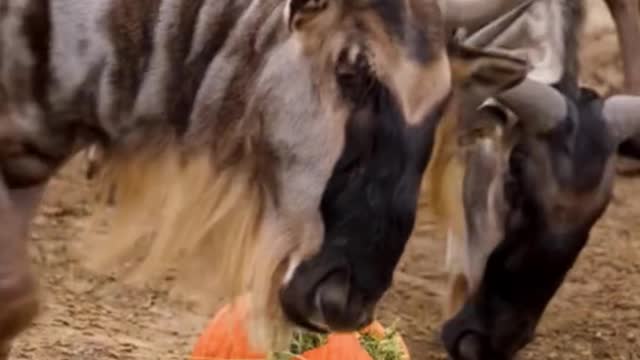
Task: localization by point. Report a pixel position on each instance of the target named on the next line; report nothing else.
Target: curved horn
(473, 14)
(622, 113)
(489, 33)
(538, 105)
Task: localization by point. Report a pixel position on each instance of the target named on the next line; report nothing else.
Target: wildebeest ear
(308, 14)
(485, 73)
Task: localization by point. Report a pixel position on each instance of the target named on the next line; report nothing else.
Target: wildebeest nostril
(332, 295)
(470, 347)
(366, 318)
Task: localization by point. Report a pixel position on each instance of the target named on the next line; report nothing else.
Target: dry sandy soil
(596, 314)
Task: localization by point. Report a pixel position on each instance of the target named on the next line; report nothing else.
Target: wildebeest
(267, 146)
(543, 32)
(519, 184)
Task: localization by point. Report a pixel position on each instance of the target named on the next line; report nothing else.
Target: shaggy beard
(212, 228)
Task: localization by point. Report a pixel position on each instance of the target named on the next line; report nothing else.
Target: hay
(385, 348)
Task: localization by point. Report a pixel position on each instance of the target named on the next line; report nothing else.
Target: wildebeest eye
(353, 73)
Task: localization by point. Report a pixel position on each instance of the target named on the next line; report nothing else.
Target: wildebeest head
(315, 196)
(467, 132)
(520, 200)
(370, 78)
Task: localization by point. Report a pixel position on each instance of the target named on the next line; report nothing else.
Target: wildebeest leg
(626, 15)
(18, 296)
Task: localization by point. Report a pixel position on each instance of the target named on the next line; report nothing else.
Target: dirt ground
(596, 314)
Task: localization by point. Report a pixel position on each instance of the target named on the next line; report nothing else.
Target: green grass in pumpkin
(302, 342)
(385, 349)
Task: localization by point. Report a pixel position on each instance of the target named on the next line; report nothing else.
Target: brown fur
(442, 183)
(457, 293)
(171, 206)
(443, 192)
(444, 165)
(131, 28)
(477, 75)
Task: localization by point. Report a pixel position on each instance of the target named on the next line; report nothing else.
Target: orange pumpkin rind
(377, 331)
(226, 339)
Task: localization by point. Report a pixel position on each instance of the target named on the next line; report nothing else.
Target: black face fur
(368, 207)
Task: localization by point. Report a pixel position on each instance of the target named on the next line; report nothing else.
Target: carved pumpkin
(225, 339)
